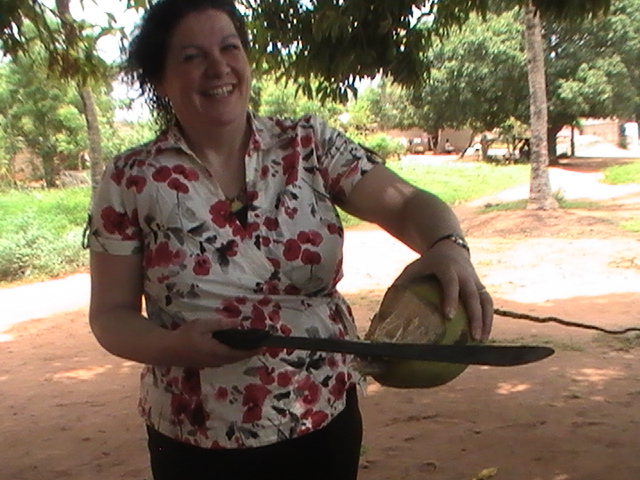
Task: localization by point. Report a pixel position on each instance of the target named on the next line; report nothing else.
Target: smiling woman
(229, 220)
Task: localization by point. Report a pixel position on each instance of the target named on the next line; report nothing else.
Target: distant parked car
(416, 146)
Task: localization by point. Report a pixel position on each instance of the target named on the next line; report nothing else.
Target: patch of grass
(504, 207)
(631, 225)
(617, 342)
(456, 183)
(579, 205)
(348, 221)
(562, 202)
(621, 174)
(40, 233)
(363, 450)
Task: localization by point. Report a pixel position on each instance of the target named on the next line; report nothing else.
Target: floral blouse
(277, 271)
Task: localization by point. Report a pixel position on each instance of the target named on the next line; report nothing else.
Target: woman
(228, 220)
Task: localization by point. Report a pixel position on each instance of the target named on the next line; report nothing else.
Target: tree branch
(566, 323)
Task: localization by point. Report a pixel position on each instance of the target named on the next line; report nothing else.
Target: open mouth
(219, 92)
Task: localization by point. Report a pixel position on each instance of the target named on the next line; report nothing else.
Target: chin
(229, 119)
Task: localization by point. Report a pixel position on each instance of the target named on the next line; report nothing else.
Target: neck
(220, 146)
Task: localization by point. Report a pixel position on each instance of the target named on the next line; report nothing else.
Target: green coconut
(412, 313)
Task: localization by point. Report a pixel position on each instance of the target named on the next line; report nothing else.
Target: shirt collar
(265, 134)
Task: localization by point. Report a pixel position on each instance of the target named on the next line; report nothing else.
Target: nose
(216, 65)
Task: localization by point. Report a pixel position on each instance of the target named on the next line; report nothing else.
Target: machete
(493, 355)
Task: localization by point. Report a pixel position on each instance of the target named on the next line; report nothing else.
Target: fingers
(223, 350)
(487, 315)
(200, 350)
(215, 324)
(450, 294)
(460, 285)
(479, 306)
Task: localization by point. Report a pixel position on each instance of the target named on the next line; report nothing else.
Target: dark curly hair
(147, 53)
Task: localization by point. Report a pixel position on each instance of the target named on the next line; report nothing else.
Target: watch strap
(457, 239)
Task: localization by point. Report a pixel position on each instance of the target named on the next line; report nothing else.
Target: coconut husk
(410, 312)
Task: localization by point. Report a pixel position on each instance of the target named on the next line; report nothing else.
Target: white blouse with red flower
(278, 271)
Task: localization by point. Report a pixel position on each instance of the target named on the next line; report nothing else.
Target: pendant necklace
(239, 200)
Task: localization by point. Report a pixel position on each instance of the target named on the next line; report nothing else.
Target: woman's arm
(419, 219)
(413, 216)
(116, 320)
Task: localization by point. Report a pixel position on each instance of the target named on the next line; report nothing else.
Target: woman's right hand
(116, 320)
(192, 345)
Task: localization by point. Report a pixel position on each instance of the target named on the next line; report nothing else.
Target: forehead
(202, 27)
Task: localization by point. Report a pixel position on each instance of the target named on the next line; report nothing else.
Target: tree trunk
(484, 146)
(552, 136)
(540, 195)
(86, 95)
(93, 134)
(49, 171)
(573, 140)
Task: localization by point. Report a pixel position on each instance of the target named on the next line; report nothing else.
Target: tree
(330, 44)
(478, 77)
(387, 105)
(540, 197)
(285, 99)
(72, 35)
(71, 52)
(593, 68)
(44, 116)
(336, 42)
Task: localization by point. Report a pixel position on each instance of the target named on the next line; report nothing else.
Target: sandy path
(373, 259)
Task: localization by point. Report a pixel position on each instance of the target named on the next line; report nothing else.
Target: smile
(219, 92)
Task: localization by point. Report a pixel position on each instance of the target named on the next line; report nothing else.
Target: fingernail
(450, 313)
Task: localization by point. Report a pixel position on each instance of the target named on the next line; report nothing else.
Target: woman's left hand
(451, 264)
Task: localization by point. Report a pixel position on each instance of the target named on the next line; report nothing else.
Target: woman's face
(207, 76)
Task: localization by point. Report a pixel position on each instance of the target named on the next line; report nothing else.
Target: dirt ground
(67, 408)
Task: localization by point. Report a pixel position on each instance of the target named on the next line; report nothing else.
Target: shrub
(39, 253)
(40, 233)
(387, 147)
(621, 174)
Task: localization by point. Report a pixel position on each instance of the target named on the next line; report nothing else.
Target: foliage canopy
(479, 79)
(331, 42)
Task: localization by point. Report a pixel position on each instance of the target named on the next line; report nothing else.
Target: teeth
(219, 92)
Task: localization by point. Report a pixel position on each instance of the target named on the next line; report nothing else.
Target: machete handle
(247, 339)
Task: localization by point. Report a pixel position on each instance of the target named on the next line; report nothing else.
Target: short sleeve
(113, 223)
(342, 160)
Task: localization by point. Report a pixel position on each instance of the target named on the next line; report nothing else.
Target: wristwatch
(457, 239)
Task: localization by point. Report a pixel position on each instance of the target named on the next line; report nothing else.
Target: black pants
(331, 453)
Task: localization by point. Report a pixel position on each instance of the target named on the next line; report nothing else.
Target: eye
(190, 56)
(231, 47)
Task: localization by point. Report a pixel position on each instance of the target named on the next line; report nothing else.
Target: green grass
(40, 230)
(522, 204)
(457, 183)
(40, 233)
(461, 182)
(621, 174)
(579, 204)
(624, 174)
(505, 207)
(631, 225)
